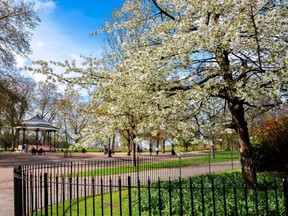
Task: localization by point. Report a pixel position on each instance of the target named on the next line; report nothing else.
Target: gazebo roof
(37, 123)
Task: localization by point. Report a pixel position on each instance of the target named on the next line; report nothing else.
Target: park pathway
(6, 192)
(10, 160)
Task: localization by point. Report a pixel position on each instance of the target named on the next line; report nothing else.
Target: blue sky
(63, 33)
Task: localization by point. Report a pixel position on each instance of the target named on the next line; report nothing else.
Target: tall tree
(15, 98)
(232, 51)
(46, 99)
(71, 116)
(17, 21)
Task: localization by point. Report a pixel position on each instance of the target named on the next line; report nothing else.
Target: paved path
(6, 191)
(10, 160)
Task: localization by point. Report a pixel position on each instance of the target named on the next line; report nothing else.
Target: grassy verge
(176, 163)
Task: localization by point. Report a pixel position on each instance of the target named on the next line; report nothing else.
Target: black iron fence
(155, 186)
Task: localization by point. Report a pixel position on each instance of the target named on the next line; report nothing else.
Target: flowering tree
(224, 52)
(187, 58)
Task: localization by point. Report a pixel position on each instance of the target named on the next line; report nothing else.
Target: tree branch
(162, 11)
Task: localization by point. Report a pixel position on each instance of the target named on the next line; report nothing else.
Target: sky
(63, 33)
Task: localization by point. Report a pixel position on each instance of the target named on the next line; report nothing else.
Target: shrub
(271, 147)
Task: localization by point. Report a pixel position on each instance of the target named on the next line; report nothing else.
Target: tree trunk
(240, 126)
(129, 147)
(163, 147)
(134, 161)
(185, 147)
(133, 147)
(113, 143)
(212, 151)
(14, 138)
(213, 147)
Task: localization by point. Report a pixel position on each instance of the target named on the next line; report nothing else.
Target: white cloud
(47, 6)
(49, 43)
(52, 42)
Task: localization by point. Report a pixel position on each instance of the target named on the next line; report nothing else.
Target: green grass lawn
(94, 205)
(176, 163)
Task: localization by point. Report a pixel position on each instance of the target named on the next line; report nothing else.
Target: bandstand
(38, 125)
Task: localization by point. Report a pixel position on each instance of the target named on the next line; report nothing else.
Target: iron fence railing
(155, 186)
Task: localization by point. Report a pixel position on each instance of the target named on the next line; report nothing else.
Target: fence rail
(156, 186)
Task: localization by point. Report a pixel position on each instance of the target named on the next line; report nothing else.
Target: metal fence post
(129, 195)
(46, 193)
(180, 170)
(18, 205)
(209, 161)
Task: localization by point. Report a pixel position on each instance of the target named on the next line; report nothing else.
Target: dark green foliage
(270, 152)
(271, 158)
(225, 194)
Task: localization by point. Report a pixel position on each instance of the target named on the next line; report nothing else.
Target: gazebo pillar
(23, 137)
(55, 140)
(49, 139)
(17, 141)
(37, 135)
(17, 136)
(44, 134)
